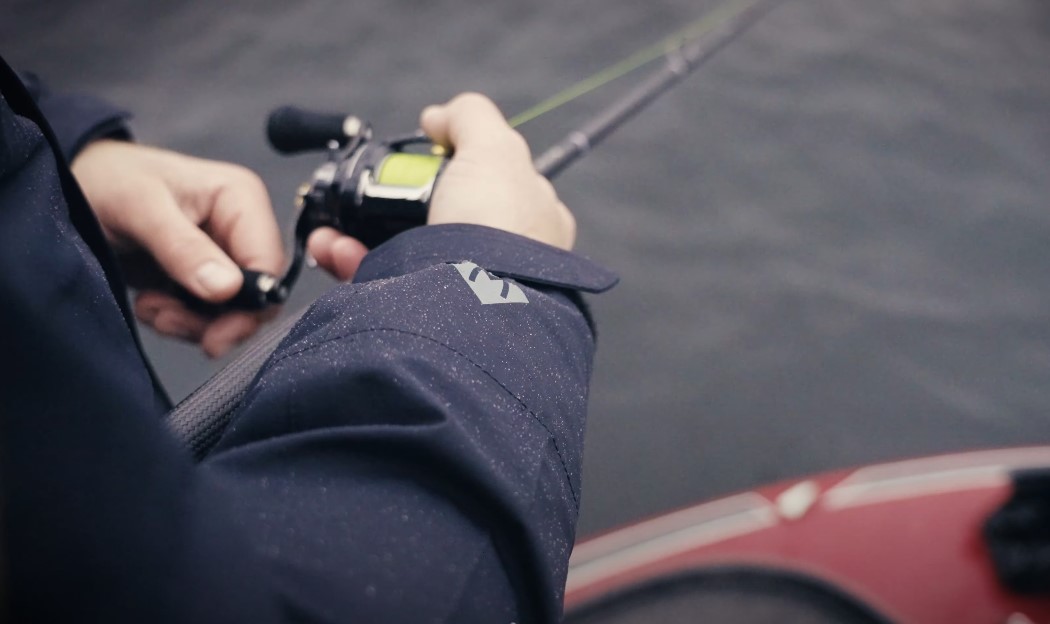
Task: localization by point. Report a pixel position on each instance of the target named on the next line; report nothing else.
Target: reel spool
(371, 190)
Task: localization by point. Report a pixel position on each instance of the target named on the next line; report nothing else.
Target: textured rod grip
(202, 417)
(292, 130)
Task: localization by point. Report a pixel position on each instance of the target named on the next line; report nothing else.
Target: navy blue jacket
(410, 453)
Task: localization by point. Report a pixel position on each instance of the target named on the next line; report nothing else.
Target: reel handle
(291, 129)
(258, 291)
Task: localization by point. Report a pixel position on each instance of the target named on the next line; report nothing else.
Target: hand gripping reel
(366, 188)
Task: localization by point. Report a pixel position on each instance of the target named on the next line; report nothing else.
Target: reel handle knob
(258, 291)
(291, 129)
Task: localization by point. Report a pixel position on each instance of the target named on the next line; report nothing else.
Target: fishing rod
(374, 189)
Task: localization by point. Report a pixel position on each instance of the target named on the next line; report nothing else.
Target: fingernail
(216, 278)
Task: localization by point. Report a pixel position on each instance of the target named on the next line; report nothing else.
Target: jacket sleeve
(76, 118)
(103, 517)
(412, 451)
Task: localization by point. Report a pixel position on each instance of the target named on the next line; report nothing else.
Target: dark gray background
(833, 238)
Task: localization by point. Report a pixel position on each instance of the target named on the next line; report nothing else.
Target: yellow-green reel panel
(404, 169)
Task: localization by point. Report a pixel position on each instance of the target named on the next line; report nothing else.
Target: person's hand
(490, 179)
(191, 220)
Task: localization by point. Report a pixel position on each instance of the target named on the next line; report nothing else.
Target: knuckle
(245, 177)
(515, 143)
(569, 225)
(547, 187)
(473, 107)
(517, 140)
(472, 99)
(567, 217)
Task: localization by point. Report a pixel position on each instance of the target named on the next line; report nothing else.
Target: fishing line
(635, 61)
(720, 29)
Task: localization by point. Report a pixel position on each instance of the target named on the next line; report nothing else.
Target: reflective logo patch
(489, 289)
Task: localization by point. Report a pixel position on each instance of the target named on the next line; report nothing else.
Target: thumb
(182, 249)
(434, 122)
(472, 124)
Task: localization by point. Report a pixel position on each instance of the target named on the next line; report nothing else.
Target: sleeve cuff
(500, 253)
(77, 119)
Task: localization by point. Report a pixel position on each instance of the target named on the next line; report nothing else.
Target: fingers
(228, 331)
(152, 199)
(471, 122)
(338, 254)
(239, 229)
(182, 249)
(199, 221)
(241, 220)
(169, 316)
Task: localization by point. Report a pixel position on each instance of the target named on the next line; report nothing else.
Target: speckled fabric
(475, 412)
(102, 515)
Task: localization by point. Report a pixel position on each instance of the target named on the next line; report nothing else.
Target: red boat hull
(903, 538)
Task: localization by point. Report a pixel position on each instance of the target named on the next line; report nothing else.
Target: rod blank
(680, 62)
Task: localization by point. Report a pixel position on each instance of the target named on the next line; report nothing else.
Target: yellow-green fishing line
(633, 62)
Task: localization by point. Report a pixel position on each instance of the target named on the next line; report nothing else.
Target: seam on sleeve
(520, 401)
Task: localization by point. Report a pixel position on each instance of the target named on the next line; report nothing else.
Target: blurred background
(833, 238)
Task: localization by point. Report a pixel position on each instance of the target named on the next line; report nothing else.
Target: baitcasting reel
(368, 189)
